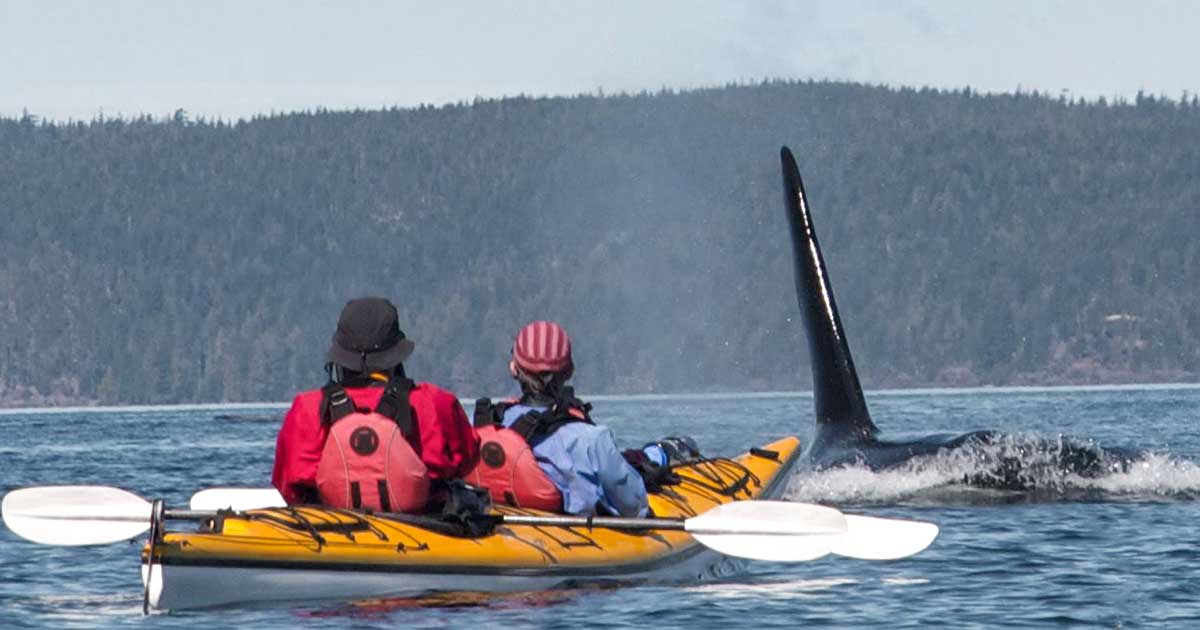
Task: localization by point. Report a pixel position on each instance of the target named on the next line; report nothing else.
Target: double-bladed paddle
(778, 531)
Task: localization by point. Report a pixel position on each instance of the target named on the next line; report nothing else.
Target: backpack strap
(527, 424)
(485, 413)
(535, 426)
(335, 403)
(394, 404)
(573, 405)
(488, 413)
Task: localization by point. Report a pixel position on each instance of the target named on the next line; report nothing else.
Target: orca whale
(844, 434)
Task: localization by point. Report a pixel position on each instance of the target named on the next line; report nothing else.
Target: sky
(62, 60)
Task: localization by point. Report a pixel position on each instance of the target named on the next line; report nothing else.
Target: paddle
(80, 515)
(760, 530)
(866, 537)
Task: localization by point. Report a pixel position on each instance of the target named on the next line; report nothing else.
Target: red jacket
(444, 439)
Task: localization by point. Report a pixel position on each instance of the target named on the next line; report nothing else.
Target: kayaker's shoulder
(307, 398)
(593, 431)
(362, 396)
(434, 393)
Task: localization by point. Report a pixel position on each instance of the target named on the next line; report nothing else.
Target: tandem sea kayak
(709, 516)
(307, 553)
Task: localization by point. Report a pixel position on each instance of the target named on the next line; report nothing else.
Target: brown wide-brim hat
(368, 336)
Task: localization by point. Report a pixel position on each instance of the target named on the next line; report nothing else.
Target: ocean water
(1115, 552)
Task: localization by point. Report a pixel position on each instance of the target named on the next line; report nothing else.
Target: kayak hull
(182, 587)
(277, 555)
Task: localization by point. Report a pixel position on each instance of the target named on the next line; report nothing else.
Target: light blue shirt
(584, 463)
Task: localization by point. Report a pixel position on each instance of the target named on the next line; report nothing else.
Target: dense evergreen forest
(972, 239)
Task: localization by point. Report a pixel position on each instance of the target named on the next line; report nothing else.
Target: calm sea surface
(1118, 552)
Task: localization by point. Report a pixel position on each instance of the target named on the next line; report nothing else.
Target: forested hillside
(972, 239)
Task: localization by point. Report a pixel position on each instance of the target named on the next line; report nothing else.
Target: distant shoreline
(9, 407)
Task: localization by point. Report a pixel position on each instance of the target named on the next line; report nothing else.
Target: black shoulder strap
(568, 401)
(335, 403)
(536, 426)
(488, 413)
(528, 424)
(394, 404)
(484, 414)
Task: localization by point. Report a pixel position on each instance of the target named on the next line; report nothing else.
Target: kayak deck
(311, 552)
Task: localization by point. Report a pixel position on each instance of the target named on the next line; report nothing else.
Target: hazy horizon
(79, 60)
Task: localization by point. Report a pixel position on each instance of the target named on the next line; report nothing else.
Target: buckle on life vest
(335, 403)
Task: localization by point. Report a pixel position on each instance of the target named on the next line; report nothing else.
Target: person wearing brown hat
(335, 446)
(543, 450)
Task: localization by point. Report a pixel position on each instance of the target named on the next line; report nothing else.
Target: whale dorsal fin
(840, 408)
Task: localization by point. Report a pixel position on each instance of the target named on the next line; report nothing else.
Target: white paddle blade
(871, 538)
(238, 499)
(769, 547)
(75, 515)
(777, 531)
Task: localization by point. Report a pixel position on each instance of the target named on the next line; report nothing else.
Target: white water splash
(859, 485)
(1036, 461)
(1154, 474)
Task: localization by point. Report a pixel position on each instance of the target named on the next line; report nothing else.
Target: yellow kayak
(308, 553)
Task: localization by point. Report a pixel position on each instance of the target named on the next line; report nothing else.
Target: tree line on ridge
(972, 239)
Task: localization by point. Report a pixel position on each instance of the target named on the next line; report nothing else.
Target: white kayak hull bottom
(185, 587)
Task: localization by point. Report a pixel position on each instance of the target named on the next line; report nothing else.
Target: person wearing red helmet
(543, 450)
(336, 444)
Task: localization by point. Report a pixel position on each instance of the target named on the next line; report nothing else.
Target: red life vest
(367, 462)
(507, 466)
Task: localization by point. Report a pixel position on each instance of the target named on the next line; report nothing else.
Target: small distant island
(975, 239)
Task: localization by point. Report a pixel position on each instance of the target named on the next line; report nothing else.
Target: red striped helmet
(543, 346)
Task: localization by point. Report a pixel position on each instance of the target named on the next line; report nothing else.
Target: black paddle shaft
(607, 522)
(188, 515)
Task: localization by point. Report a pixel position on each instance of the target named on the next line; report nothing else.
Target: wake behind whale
(846, 439)
(938, 480)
